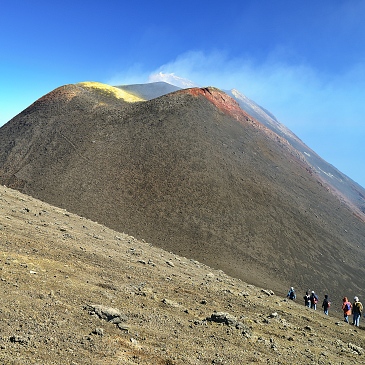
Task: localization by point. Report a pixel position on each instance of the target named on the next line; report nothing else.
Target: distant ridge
(347, 189)
(193, 173)
(150, 90)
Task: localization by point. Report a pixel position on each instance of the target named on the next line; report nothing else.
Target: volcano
(191, 172)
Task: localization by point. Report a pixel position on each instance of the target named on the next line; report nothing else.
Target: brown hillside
(192, 173)
(74, 292)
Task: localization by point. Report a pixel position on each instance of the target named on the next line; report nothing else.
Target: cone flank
(193, 173)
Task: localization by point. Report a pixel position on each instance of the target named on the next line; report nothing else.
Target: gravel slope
(76, 292)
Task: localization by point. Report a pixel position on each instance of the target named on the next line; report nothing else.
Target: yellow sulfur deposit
(111, 90)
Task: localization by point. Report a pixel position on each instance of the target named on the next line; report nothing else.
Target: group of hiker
(311, 300)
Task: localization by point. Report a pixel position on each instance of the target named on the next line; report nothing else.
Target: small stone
(273, 315)
(222, 317)
(123, 327)
(98, 331)
(108, 314)
(170, 303)
(18, 339)
(267, 292)
(150, 262)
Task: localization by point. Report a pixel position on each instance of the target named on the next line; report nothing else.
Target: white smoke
(172, 79)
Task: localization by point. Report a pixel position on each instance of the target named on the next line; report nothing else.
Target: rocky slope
(76, 292)
(192, 173)
(340, 184)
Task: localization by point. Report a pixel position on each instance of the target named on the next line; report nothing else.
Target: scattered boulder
(267, 292)
(19, 339)
(108, 314)
(123, 327)
(222, 317)
(171, 303)
(98, 331)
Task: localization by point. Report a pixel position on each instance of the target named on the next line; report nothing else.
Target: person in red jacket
(346, 307)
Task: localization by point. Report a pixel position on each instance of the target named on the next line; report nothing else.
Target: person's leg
(357, 320)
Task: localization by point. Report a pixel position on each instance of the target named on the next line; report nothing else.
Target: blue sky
(303, 61)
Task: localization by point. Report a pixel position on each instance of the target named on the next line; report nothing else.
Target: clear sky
(303, 61)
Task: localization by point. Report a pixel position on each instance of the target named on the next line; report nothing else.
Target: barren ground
(55, 266)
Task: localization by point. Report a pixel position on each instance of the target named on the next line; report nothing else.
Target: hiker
(307, 299)
(291, 294)
(346, 307)
(326, 304)
(356, 311)
(314, 300)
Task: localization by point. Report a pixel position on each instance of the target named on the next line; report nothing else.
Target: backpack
(347, 307)
(358, 305)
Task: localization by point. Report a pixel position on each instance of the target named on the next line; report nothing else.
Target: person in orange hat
(346, 307)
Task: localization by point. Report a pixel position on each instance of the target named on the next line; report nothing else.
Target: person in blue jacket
(291, 294)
